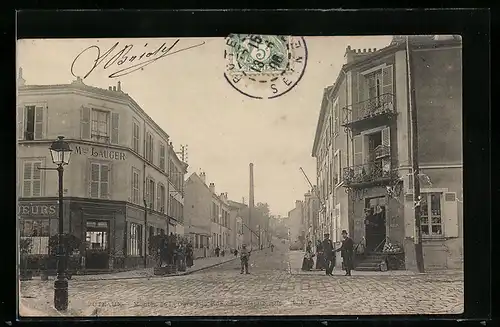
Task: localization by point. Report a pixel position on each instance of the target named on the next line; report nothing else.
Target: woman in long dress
(307, 262)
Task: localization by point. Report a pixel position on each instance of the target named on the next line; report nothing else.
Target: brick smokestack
(251, 195)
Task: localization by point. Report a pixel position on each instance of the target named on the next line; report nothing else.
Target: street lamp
(61, 153)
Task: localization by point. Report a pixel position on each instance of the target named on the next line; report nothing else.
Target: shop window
(430, 214)
(135, 248)
(97, 240)
(38, 232)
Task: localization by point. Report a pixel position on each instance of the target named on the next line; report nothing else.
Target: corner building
(124, 182)
(364, 152)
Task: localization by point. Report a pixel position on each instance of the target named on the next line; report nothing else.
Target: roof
(398, 43)
(79, 85)
(196, 178)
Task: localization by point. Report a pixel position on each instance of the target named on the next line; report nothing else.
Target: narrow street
(274, 287)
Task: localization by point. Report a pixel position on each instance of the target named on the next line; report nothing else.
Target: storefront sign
(100, 153)
(32, 209)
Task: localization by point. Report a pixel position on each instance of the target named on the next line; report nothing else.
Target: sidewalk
(295, 265)
(199, 264)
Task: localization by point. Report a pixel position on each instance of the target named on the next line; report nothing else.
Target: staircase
(370, 261)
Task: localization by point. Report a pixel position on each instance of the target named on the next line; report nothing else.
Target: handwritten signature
(122, 56)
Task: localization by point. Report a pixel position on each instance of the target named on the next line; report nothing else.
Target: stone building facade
(123, 183)
(363, 148)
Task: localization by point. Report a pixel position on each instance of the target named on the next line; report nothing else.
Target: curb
(164, 276)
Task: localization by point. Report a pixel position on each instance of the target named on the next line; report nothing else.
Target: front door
(375, 227)
(97, 245)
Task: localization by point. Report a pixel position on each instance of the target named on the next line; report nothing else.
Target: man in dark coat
(347, 252)
(329, 255)
(320, 261)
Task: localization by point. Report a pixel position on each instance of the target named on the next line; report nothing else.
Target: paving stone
(269, 289)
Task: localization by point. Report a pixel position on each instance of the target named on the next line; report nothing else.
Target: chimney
(349, 54)
(114, 88)
(203, 177)
(212, 187)
(110, 88)
(119, 86)
(20, 80)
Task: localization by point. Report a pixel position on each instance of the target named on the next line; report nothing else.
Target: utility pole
(419, 255)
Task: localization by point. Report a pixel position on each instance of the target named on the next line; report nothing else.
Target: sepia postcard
(246, 175)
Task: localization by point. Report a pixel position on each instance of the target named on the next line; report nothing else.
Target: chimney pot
(212, 187)
(374, 49)
(119, 86)
(110, 88)
(364, 50)
(114, 88)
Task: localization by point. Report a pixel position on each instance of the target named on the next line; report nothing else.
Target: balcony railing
(378, 171)
(374, 107)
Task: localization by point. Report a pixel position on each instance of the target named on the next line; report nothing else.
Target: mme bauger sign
(100, 153)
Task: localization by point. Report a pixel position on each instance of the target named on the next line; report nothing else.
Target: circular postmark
(264, 66)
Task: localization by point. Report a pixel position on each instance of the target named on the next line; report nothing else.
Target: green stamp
(256, 54)
(264, 66)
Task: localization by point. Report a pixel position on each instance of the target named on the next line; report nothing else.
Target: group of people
(325, 255)
(175, 251)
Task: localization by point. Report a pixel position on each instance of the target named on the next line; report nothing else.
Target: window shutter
(20, 123)
(358, 150)
(158, 197)
(450, 214)
(104, 181)
(94, 180)
(386, 137)
(409, 216)
(85, 123)
(39, 122)
(27, 175)
(387, 80)
(114, 127)
(37, 179)
(339, 166)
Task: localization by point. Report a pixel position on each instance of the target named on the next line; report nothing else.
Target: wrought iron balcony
(375, 172)
(377, 107)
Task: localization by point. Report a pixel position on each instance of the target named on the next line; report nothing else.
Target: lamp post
(61, 153)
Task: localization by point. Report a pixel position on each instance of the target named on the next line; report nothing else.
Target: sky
(188, 97)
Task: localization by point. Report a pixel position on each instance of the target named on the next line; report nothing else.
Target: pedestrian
(272, 247)
(189, 255)
(347, 252)
(328, 252)
(307, 262)
(235, 252)
(244, 258)
(217, 251)
(320, 259)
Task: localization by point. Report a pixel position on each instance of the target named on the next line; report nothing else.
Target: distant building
(296, 222)
(363, 146)
(119, 188)
(207, 216)
(311, 216)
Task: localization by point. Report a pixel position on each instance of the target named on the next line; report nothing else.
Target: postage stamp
(264, 66)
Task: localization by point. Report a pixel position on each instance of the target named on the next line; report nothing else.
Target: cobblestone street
(271, 288)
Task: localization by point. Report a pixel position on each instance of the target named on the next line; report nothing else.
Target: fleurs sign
(31, 209)
(100, 153)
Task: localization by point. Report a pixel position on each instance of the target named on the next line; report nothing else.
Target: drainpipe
(144, 200)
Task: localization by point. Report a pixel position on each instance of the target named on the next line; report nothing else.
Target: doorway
(97, 244)
(375, 223)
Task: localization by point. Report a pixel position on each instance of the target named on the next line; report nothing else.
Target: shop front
(99, 225)
(38, 221)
